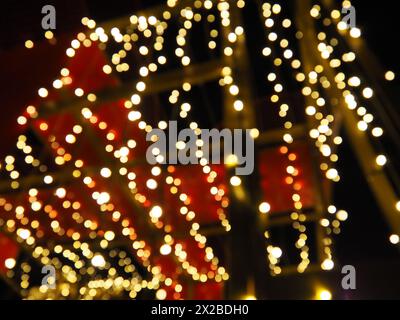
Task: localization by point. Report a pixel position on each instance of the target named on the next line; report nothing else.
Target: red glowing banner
(9, 250)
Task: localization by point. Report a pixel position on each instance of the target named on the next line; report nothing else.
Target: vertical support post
(376, 177)
(322, 193)
(246, 254)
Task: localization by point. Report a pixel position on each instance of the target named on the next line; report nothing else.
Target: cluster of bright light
(269, 12)
(323, 133)
(355, 90)
(85, 259)
(103, 197)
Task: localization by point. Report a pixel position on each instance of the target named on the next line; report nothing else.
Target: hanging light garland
(145, 36)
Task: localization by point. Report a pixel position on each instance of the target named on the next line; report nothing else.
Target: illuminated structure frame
(314, 65)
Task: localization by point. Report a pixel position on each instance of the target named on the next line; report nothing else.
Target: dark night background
(363, 241)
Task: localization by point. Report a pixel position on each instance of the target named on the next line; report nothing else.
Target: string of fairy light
(103, 197)
(97, 260)
(297, 216)
(355, 91)
(323, 132)
(157, 211)
(86, 258)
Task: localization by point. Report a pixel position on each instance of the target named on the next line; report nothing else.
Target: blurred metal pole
(247, 252)
(376, 177)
